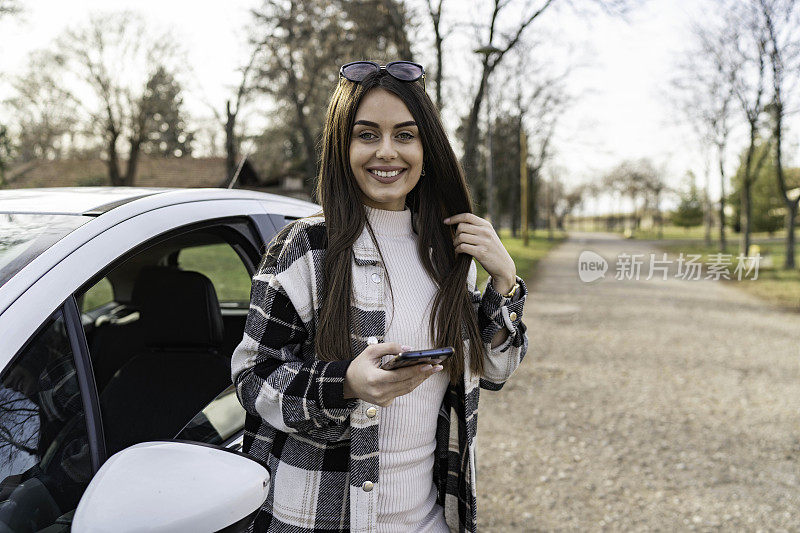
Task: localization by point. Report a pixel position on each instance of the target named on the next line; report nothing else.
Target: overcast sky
(622, 111)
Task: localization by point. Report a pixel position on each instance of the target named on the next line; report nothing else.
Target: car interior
(161, 345)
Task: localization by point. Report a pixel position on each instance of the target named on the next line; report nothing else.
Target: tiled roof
(151, 172)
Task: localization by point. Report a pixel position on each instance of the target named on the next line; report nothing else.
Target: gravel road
(660, 405)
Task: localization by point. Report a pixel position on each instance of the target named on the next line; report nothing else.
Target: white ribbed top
(407, 428)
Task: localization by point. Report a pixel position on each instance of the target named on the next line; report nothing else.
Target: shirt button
(512, 316)
(367, 486)
(376, 277)
(371, 412)
(372, 340)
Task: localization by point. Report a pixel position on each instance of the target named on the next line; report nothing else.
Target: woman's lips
(390, 179)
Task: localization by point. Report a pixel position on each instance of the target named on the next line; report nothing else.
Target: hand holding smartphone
(417, 357)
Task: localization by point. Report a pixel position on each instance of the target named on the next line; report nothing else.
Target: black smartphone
(418, 357)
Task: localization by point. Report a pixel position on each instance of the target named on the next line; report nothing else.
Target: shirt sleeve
(276, 374)
(496, 312)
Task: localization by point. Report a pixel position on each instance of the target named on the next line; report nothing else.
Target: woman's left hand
(476, 237)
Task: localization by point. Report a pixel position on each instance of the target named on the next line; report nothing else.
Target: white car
(119, 311)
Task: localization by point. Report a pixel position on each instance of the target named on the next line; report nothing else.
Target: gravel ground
(643, 406)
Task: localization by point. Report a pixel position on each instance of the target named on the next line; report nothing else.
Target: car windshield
(24, 236)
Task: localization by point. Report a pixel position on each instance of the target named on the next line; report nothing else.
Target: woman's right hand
(367, 381)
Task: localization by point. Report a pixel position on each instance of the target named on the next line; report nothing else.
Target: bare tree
(380, 27)
(749, 54)
(541, 102)
(704, 88)
(44, 116)
(642, 183)
(7, 144)
(780, 19)
(435, 13)
(300, 45)
(113, 57)
(305, 42)
(244, 93)
(559, 201)
(497, 42)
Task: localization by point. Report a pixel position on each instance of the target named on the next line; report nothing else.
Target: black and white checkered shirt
(322, 449)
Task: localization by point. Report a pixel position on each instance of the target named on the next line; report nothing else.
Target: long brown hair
(440, 193)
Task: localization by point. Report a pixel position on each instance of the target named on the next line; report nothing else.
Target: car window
(98, 295)
(23, 237)
(218, 421)
(223, 266)
(45, 462)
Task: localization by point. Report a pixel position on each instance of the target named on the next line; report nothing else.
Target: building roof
(151, 172)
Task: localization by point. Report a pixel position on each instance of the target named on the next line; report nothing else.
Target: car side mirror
(171, 487)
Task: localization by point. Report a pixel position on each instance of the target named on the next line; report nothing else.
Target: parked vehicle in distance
(119, 311)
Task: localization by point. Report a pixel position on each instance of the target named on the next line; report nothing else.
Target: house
(151, 172)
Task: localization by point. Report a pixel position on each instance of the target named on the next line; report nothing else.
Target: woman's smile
(386, 174)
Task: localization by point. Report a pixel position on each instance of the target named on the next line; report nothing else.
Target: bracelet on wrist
(513, 290)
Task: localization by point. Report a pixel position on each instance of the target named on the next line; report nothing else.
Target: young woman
(386, 266)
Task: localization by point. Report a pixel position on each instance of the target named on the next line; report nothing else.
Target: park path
(657, 405)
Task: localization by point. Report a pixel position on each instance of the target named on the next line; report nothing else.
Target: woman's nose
(385, 149)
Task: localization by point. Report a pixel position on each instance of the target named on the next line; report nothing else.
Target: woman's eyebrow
(376, 125)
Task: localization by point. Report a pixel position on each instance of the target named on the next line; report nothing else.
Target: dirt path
(643, 405)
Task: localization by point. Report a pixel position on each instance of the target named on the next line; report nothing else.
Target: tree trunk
(439, 59)
(114, 176)
(308, 143)
(791, 215)
(534, 195)
(230, 143)
(659, 218)
(744, 239)
(721, 157)
(707, 207)
(471, 137)
(515, 218)
(135, 141)
(302, 124)
(791, 206)
(133, 163)
(747, 180)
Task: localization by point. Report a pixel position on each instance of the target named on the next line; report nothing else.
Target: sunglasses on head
(357, 71)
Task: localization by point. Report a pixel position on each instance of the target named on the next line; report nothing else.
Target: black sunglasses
(357, 71)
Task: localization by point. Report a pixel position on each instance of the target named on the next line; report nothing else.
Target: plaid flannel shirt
(322, 449)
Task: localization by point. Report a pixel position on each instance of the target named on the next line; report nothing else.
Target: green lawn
(774, 284)
(217, 261)
(524, 257)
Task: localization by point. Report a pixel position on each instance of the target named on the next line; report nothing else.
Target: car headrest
(179, 308)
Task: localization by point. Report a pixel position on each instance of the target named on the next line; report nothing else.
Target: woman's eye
(405, 136)
(367, 135)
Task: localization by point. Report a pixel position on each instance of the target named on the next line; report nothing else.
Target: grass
(217, 261)
(223, 267)
(525, 257)
(774, 284)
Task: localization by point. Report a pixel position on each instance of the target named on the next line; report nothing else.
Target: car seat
(160, 389)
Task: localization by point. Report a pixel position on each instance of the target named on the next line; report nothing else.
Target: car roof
(68, 201)
(98, 200)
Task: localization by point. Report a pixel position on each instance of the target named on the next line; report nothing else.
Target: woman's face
(385, 150)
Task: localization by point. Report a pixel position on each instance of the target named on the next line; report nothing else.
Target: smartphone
(418, 357)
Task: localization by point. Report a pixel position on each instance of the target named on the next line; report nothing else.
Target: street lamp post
(487, 51)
